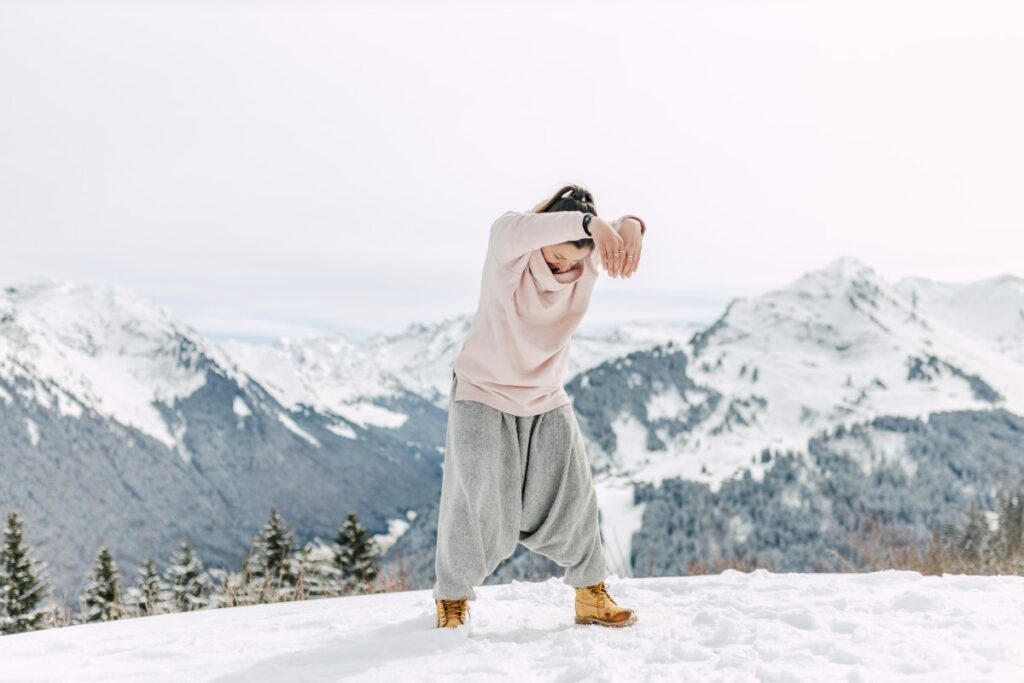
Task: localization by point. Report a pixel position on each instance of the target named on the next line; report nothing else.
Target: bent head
(565, 256)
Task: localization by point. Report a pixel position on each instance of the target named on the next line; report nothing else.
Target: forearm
(516, 233)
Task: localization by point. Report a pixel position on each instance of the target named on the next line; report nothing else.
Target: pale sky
(264, 168)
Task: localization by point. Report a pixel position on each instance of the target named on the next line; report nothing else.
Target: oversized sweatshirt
(515, 357)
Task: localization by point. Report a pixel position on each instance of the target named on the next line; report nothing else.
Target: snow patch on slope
(292, 427)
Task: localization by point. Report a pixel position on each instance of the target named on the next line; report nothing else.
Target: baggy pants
(509, 479)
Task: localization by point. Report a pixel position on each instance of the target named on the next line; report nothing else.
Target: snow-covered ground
(758, 626)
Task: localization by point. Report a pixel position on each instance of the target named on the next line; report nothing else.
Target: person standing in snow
(515, 467)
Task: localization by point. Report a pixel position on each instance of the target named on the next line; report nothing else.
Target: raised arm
(516, 233)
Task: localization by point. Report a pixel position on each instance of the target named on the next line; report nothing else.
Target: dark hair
(572, 198)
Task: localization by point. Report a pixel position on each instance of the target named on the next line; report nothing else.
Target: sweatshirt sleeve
(516, 233)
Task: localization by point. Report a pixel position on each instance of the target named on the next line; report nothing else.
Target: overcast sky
(271, 168)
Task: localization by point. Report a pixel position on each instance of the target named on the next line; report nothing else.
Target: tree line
(273, 570)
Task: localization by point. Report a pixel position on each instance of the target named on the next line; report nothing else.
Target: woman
(515, 468)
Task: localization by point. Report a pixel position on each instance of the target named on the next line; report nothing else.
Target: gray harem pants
(509, 479)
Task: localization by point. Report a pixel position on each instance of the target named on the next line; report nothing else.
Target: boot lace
(600, 591)
(453, 609)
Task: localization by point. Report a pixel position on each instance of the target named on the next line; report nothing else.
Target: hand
(632, 240)
(607, 241)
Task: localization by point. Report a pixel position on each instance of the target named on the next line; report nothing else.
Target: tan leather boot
(452, 613)
(595, 606)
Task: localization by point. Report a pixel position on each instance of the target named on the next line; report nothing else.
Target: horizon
(695, 310)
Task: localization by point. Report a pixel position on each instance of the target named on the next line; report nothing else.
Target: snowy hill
(991, 310)
(331, 374)
(837, 346)
(885, 626)
(122, 426)
(102, 349)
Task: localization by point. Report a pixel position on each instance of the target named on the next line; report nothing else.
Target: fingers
(618, 257)
(631, 258)
(609, 259)
(631, 264)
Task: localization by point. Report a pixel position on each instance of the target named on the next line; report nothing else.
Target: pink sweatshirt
(516, 355)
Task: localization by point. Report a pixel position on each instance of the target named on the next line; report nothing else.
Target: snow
(620, 519)
(630, 442)
(668, 405)
(733, 626)
(240, 408)
(33, 431)
(101, 347)
(342, 430)
(873, 448)
(364, 414)
(396, 527)
(991, 310)
(289, 424)
(328, 374)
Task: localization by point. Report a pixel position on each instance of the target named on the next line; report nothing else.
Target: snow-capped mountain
(330, 374)
(120, 425)
(104, 349)
(836, 346)
(991, 310)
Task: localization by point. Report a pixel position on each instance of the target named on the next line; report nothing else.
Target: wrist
(640, 222)
(587, 218)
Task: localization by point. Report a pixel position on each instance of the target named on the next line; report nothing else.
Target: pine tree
(356, 555)
(102, 598)
(57, 614)
(21, 584)
(271, 554)
(147, 596)
(235, 589)
(317, 575)
(189, 583)
(973, 540)
(1010, 536)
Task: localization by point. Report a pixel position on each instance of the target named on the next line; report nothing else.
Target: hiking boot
(595, 606)
(452, 613)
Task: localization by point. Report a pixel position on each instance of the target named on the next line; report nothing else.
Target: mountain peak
(848, 268)
(839, 275)
(28, 288)
(71, 300)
